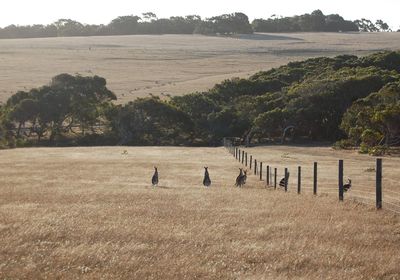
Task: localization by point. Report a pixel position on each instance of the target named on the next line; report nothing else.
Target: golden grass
(91, 213)
(135, 66)
(357, 167)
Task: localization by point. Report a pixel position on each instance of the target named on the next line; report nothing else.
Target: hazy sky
(24, 12)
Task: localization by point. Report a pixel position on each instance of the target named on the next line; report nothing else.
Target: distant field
(67, 213)
(169, 64)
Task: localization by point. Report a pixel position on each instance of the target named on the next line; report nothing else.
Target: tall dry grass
(91, 213)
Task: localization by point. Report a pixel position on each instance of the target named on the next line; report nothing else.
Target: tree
(68, 101)
(149, 16)
(365, 25)
(150, 121)
(383, 26)
(68, 27)
(226, 24)
(375, 120)
(124, 25)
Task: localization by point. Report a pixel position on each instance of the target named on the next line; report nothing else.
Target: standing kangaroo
(154, 179)
(241, 179)
(206, 180)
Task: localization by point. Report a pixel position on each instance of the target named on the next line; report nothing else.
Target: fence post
(275, 178)
(255, 167)
(267, 175)
(299, 179)
(246, 158)
(286, 179)
(251, 160)
(261, 170)
(239, 155)
(242, 157)
(315, 177)
(378, 183)
(341, 180)
(236, 152)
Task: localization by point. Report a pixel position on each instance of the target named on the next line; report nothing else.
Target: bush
(370, 138)
(345, 144)
(364, 149)
(378, 150)
(374, 151)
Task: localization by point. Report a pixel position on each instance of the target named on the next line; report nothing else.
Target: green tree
(150, 121)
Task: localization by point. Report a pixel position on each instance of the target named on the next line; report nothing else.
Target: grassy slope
(91, 213)
(173, 64)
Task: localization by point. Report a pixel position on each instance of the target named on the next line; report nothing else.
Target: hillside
(135, 66)
(91, 212)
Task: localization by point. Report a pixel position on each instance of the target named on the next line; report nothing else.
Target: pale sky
(23, 12)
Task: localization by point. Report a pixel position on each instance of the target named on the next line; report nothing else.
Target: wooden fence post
(286, 179)
(378, 183)
(275, 178)
(246, 158)
(255, 167)
(239, 155)
(267, 175)
(251, 160)
(315, 177)
(299, 179)
(341, 180)
(242, 157)
(261, 170)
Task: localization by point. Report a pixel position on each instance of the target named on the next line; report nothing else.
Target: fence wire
(364, 174)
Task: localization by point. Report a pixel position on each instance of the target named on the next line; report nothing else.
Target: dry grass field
(357, 167)
(90, 213)
(169, 64)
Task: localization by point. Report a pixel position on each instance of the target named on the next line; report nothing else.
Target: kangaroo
(347, 186)
(239, 177)
(241, 180)
(244, 177)
(282, 181)
(206, 180)
(154, 179)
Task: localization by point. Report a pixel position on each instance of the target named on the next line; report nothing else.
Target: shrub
(344, 144)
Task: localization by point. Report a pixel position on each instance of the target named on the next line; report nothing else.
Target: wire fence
(371, 194)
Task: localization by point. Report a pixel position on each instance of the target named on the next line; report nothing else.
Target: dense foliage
(226, 24)
(129, 25)
(68, 105)
(316, 21)
(348, 98)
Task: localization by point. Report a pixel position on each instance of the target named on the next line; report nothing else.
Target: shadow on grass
(264, 37)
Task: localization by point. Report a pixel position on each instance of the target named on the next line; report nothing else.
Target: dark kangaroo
(347, 186)
(282, 181)
(154, 179)
(206, 180)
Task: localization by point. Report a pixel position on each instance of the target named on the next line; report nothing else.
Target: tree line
(317, 22)
(350, 100)
(226, 24)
